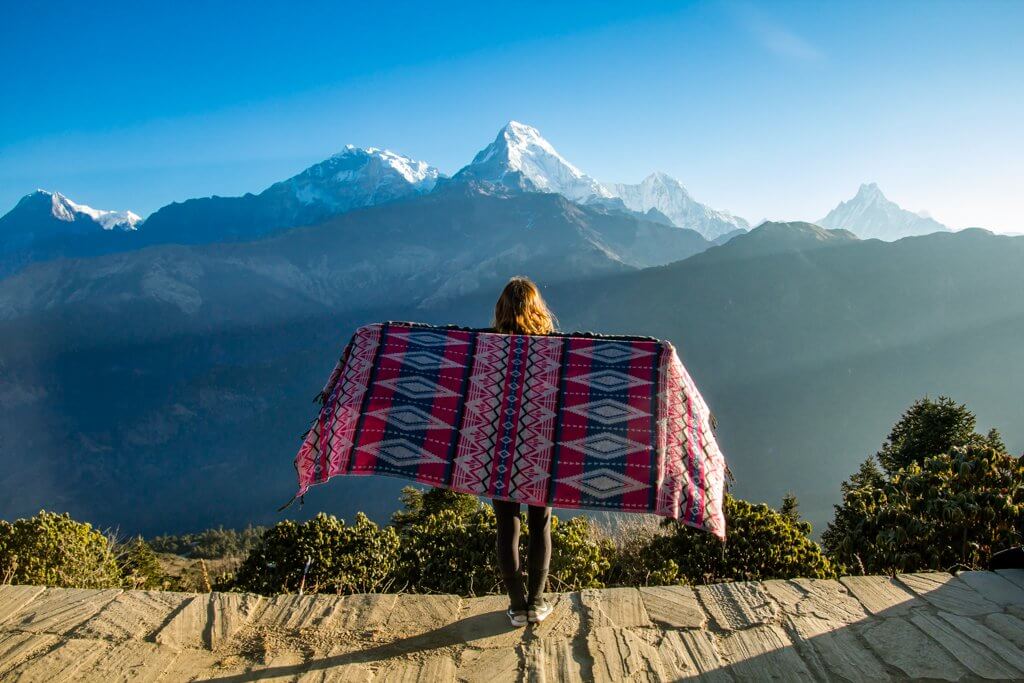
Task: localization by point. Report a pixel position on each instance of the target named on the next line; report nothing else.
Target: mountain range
(47, 225)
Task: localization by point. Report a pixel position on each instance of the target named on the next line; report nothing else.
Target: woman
(521, 310)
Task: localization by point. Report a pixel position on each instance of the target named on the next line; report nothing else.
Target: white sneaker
(539, 613)
(516, 617)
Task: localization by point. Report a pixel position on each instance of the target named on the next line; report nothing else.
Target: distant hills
(173, 382)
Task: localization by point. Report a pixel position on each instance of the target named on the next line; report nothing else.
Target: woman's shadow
(461, 632)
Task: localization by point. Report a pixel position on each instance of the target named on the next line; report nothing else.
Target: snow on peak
(521, 159)
(64, 209)
(667, 195)
(356, 177)
(870, 214)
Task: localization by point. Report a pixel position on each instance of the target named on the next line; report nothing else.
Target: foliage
(930, 428)
(211, 544)
(54, 550)
(448, 544)
(954, 509)
(580, 558)
(451, 550)
(341, 558)
(139, 566)
(944, 497)
(763, 544)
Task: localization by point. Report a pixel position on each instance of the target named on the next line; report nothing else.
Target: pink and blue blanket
(570, 421)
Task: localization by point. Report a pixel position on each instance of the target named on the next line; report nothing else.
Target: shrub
(944, 496)
(211, 544)
(580, 558)
(951, 510)
(139, 566)
(342, 558)
(763, 543)
(54, 550)
(451, 551)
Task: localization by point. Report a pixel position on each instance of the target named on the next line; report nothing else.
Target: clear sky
(775, 110)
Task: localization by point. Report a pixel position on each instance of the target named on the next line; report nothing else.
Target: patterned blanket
(571, 421)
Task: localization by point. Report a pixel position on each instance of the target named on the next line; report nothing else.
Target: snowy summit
(64, 209)
(665, 194)
(357, 177)
(870, 214)
(521, 159)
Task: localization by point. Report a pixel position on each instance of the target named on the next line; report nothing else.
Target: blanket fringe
(302, 501)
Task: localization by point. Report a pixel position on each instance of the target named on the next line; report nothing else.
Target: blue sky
(773, 110)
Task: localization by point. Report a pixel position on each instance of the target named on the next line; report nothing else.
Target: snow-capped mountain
(53, 212)
(871, 215)
(45, 225)
(521, 159)
(666, 195)
(354, 178)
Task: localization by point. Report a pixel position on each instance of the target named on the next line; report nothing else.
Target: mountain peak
(870, 191)
(61, 208)
(870, 214)
(521, 159)
(666, 194)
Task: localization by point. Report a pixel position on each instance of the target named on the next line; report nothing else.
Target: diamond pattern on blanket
(571, 421)
(604, 483)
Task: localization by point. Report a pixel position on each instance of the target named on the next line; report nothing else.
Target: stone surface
(945, 592)
(881, 595)
(614, 607)
(828, 600)
(836, 652)
(1015, 576)
(501, 665)
(63, 663)
(19, 647)
(673, 606)
(14, 598)
(972, 655)
(737, 605)
(1007, 648)
(131, 660)
(619, 654)
(60, 610)
(134, 615)
(364, 612)
(857, 629)
(438, 669)
(208, 621)
(763, 652)
(903, 646)
(994, 587)
(1008, 626)
(692, 656)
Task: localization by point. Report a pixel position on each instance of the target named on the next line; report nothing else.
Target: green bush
(55, 550)
(139, 566)
(211, 544)
(952, 510)
(762, 543)
(342, 558)
(451, 551)
(938, 495)
(580, 558)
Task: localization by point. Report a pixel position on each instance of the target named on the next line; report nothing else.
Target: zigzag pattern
(534, 445)
(474, 454)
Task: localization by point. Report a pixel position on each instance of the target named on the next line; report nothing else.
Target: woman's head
(521, 309)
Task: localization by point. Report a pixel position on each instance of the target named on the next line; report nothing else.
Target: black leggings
(538, 554)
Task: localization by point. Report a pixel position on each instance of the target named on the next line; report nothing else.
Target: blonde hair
(521, 309)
